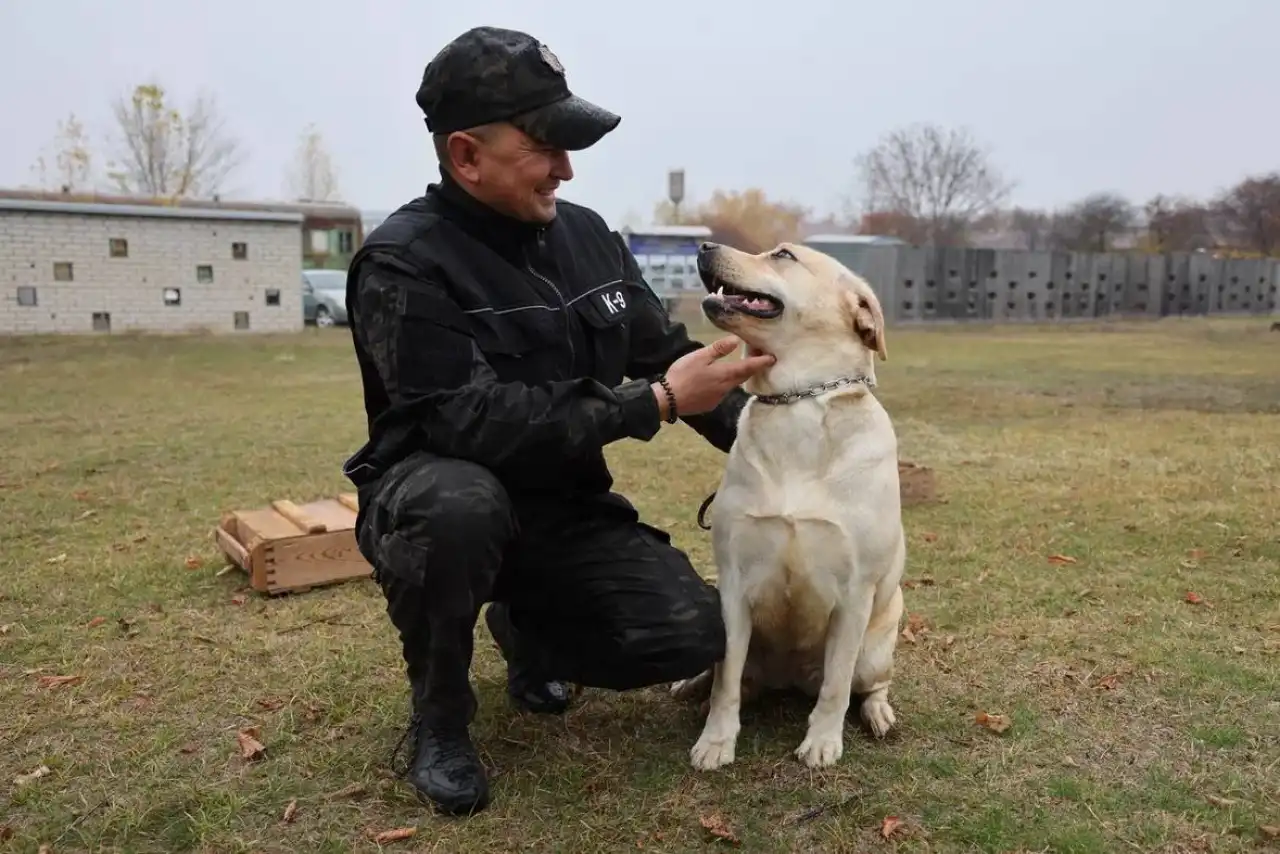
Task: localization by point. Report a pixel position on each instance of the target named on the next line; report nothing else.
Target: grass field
(1140, 721)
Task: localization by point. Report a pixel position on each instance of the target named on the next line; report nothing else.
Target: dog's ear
(867, 320)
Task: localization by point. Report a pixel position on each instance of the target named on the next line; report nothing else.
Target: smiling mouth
(748, 302)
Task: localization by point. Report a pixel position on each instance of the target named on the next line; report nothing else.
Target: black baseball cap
(489, 74)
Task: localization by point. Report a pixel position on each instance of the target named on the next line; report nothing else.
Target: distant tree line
(159, 150)
(930, 185)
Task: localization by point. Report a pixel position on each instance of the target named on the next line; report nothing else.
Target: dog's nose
(706, 246)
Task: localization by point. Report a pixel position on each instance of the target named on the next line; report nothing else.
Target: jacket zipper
(568, 327)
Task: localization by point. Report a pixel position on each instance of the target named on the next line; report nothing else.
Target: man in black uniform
(495, 327)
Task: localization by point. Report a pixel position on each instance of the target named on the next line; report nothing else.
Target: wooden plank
(297, 516)
(232, 549)
(350, 501)
(315, 560)
(331, 513)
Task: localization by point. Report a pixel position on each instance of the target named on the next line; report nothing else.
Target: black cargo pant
(605, 600)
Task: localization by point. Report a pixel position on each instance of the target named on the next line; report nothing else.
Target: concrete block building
(94, 266)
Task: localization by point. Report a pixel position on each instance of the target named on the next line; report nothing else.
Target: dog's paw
(821, 749)
(712, 752)
(878, 714)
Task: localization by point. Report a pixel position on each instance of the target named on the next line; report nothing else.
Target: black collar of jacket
(504, 234)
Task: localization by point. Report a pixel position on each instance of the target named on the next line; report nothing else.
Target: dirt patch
(919, 484)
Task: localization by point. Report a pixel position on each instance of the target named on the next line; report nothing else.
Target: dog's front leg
(823, 744)
(715, 746)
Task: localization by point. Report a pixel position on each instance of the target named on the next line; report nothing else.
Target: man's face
(510, 171)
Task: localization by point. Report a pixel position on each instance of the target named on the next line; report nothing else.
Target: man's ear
(867, 320)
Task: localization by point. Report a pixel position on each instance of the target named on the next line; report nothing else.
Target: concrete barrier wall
(922, 284)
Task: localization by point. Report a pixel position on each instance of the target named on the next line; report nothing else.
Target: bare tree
(1177, 224)
(163, 152)
(67, 163)
(941, 179)
(1093, 223)
(1250, 213)
(312, 178)
(1034, 228)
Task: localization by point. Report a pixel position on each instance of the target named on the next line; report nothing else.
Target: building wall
(162, 253)
(920, 284)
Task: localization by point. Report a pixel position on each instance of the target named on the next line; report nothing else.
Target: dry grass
(1150, 454)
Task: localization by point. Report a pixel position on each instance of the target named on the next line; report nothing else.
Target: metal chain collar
(831, 385)
(785, 398)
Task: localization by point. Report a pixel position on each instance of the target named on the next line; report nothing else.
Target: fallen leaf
(1196, 554)
(57, 558)
(239, 599)
(44, 849)
(58, 681)
(1193, 598)
(949, 641)
(717, 827)
(394, 835)
(1239, 650)
(32, 776)
(194, 562)
(290, 811)
(80, 494)
(908, 635)
(95, 622)
(141, 538)
(1219, 802)
(350, 791)
(188, 749)
(4, 630)
(1059, 560)
(995, 723)
(270, 704)
(86, 514)
(1107, 683)
(916, 623)
(143, 701)
(1070, 762)
(250, 747)
(930, 537)
(6, 832)
(890, 826)
(1270, 831)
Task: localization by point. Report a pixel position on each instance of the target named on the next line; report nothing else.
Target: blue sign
(645, 244)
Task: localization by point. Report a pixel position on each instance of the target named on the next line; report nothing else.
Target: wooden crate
(290, 548)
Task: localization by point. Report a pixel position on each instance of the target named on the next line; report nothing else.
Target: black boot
(527, 686)
(446, 770)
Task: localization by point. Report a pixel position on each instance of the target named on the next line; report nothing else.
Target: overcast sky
(1136, 96)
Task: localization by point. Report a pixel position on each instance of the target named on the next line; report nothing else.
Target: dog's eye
(784, 253)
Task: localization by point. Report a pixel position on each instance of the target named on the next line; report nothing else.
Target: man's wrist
(660, 397)
(667, 410)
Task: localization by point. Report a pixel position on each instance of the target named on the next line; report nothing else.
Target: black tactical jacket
(509, 345)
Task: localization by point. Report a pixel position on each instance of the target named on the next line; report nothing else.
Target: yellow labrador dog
(806, 524)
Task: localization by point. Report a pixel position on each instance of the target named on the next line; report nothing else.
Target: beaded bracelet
(671, 399)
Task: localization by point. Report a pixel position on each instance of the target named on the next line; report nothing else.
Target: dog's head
(791, 300)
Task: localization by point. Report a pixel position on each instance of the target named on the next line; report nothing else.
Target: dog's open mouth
(744, 301)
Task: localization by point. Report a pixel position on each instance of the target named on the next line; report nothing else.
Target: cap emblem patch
(550, 59)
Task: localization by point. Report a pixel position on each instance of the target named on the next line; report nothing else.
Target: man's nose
(562, 169)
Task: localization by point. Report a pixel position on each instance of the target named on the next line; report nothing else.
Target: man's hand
(700, 380)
